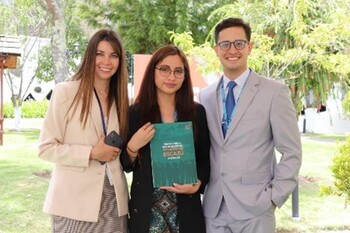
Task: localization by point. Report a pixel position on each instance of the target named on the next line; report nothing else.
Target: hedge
(30, 109)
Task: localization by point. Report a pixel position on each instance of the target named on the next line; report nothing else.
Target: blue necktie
(229, 104)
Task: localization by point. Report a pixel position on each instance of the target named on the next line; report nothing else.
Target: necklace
(103, 91)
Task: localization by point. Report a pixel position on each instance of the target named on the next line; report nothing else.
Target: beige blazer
(244, 167)
(75, 188)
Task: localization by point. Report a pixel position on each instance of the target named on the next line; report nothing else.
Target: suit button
(268, 187)
(137, 183)
(222, 174)
(135, 210)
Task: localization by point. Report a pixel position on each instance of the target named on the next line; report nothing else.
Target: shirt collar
(240, 80)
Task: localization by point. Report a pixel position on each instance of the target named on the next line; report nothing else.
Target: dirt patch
(307, 180)
(43, 174)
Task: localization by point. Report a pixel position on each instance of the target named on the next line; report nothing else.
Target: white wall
(331, 121)
(28, 71)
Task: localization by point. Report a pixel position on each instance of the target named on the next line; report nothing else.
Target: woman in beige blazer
(88, 189)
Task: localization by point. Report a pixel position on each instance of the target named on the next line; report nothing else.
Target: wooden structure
(9, 51)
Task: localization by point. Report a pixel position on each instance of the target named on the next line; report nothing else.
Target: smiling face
(171, 84)
(233, 61)
(107, 61)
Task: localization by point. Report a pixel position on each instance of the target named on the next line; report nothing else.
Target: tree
(48, 19)
(304, 43)
(17, 78)
(346, 104)
(68, 39)
(6, 16)
(75, 43)
(55, 9)
(22, 17)
(144, 25)
(29, 20)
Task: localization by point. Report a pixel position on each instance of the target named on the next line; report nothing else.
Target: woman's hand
(183, 188)
(103, 152)
(141, 137)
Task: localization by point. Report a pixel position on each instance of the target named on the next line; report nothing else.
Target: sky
(6, 1)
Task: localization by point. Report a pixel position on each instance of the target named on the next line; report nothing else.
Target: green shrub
(30, 109)
(341, 170)
(34, 109)
(8, 110)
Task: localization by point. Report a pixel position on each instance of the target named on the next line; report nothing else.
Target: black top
(190, 214)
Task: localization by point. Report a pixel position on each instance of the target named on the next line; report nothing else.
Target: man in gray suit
(247, 182)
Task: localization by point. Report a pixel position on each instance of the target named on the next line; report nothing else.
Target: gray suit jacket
(244, 168)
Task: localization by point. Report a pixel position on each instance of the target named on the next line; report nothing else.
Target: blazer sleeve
(55, 142)
(287, 141)
(202, 146)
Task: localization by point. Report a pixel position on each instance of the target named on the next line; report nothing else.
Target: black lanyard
(102, 116)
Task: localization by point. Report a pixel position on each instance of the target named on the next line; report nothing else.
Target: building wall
(28, 71)
(331, 121)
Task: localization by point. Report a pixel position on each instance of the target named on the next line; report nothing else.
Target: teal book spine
(173, 154)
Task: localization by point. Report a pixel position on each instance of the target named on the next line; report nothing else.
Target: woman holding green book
(165, 96)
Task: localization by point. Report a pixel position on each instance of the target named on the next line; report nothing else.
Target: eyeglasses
(166, 71)
(226, 45)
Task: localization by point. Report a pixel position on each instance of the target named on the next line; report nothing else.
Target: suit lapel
(245, 100)
(215, 104)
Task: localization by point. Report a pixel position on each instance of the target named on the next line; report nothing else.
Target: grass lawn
(23, 186)
(21, 191)
(317, 213)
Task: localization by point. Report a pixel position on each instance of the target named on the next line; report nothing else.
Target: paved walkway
(25, 123)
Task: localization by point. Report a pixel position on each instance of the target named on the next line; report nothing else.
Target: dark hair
(118, 87)
(147, 97)
(232, 22)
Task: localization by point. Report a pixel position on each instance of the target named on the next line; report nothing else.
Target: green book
(173, 154)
